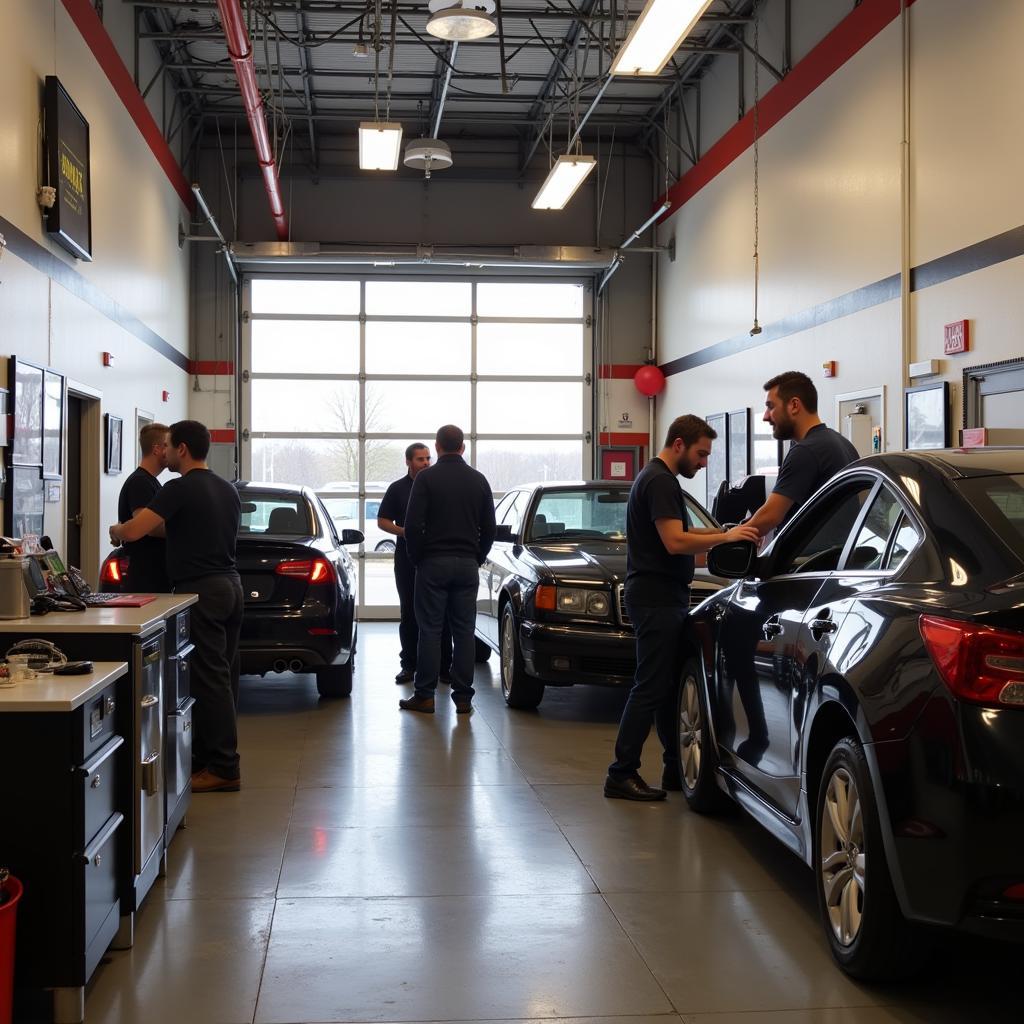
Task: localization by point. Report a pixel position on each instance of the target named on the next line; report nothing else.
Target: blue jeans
(446, 587)
(659, 633)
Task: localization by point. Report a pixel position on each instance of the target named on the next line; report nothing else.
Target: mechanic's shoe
(425, 705)
(463, 707)
(407, 675)
(631, 788)
(206, 781)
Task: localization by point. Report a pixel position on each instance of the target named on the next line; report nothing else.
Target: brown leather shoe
(208, 782)
(425, 705)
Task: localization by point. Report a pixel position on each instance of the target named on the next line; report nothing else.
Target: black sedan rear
(299, 583)
(860, 692)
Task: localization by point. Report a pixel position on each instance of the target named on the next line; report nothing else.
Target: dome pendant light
(461, 21)
(428, 155)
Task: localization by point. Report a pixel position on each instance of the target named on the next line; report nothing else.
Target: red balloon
(649, 381)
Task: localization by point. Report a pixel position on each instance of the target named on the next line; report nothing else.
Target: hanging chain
(756, 329)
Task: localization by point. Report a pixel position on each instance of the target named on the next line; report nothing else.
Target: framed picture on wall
(27, 443)
(739, 445)
(926, 416)
(53, 424)
(619, 463)
(23, 507)
(718, 465)
(112, 461)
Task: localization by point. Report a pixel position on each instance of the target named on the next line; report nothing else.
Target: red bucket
(8, 913)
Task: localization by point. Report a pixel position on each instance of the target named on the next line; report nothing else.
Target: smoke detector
(461, 21)
(428, 155)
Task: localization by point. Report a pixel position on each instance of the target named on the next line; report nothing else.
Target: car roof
(578, 485)
(955, 463)
(282, 489)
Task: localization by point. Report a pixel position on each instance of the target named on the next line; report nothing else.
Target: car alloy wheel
(842, 855)
(508, 654)
(690, 730)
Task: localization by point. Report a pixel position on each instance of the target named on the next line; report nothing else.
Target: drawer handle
(101, 840)
(150, 776)
(97, 860)
(93, 766)
(109, 705)
(188, 726)
(150, 700)
(95, 784)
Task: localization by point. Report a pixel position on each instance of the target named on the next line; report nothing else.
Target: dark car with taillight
(859, 690)
(299, 584)
(550, 594)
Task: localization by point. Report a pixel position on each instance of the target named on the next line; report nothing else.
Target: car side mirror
(352, 537)
(732, 561)
(504, 533)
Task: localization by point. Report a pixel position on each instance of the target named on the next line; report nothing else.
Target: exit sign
(958, 337)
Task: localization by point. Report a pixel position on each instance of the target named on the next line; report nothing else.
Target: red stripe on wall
(852, 34)
(625, 439)
(211, 367)
(222, 436)
(618, 371)
(95, 35)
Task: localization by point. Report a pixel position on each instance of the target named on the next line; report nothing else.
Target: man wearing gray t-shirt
(816, 455)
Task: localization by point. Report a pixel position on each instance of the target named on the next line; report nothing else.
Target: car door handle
(821, 626)
(772, 628)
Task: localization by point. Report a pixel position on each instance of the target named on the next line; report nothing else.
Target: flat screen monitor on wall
(66, 136)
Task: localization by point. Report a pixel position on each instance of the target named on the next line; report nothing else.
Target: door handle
(76, 519)
(149, 700)
(772, 628)
(822, 625)
(150, 775)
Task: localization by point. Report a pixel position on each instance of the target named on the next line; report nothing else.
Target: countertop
(133, 621)
(59, 693)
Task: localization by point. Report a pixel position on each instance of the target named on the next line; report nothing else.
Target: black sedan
(860, 692)
(550, 596)
(299, 584)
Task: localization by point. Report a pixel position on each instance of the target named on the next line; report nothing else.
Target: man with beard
(816, 455)
(659, 568)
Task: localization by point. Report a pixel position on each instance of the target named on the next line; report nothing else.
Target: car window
(815, 540)
(579, 514)
(331, 531)
(280, 514)
(999, 500)
(697, 518)
(868, 552)
(905, 539)
(515, 514)
(503, 506)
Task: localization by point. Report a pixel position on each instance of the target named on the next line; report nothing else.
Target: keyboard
(93, 599)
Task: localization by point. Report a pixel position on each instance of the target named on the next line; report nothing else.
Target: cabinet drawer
(98, 866)
(97, 779)
(98, 723)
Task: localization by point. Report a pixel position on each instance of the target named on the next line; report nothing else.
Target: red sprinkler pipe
(240, 52)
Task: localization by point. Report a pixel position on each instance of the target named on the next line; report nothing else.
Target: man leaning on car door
(659, 570)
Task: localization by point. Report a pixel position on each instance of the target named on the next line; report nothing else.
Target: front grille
(697, 594)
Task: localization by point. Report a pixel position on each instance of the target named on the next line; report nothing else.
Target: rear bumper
(267, 641)
(565, 655)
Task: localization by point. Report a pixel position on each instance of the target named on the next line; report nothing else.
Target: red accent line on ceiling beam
(618, 371)
(240, 51)
(222, 436)
(211, 367)
(95, 35)
(851, 35)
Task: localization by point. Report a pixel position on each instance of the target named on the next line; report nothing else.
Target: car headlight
(577, 601)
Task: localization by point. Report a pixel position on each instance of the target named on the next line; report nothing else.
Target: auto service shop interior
(190, 230)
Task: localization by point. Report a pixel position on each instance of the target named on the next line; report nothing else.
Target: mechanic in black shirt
(201, 514)
(815, 456)
(147, 565)
(659, 568)
(449, 528)
(390, 519)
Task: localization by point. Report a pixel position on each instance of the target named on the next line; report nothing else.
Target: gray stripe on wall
(41, 259)
(997, 249)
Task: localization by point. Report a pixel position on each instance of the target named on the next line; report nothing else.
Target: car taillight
(978, 663)
(313, 570)
(113, 571)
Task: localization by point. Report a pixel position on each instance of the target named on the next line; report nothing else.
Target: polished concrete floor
(386, 866)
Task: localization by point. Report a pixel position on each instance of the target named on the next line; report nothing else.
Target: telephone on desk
(54, 587)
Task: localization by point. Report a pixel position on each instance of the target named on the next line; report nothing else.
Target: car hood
(569, 563)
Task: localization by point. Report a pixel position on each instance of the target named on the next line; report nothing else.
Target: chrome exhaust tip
(280, 665)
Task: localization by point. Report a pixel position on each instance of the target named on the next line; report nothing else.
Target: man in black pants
(390, 519)
(201, 513)
(147, 557)
(659, 568)
(449, 528)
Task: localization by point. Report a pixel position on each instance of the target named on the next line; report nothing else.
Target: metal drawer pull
(150, 776)
(105, 752)
(188, 726)
(109, 705)
(149, 700)
(95, 784)
(101, 840)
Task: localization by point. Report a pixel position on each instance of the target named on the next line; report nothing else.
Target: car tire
(867, 933)
(519, 690)
(386, 546)
(482, 652)
(336, 680)
(695, 747)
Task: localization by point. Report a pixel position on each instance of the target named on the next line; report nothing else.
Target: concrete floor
(386, 866)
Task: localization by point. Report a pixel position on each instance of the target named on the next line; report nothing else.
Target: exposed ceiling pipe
(444, 91)
(240, 51)
(218, 235)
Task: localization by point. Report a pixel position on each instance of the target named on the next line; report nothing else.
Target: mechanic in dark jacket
(449, 529)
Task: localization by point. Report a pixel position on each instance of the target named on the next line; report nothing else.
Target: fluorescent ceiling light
(380, 144)
(658, 33)
(461, 21)
(566, 176)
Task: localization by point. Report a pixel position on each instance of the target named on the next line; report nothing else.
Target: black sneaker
(407, 675)
(631, 788)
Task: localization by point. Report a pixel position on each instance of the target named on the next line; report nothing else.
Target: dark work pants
(659, 633)
(446, 588)
(216, 624)
(408, 631)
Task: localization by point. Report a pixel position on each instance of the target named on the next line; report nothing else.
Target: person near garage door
(390, 519)
(449, 529)
(201, 514)
(659, 569)
(815, 456)
(147, 557)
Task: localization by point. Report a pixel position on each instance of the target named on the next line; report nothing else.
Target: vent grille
(697, 594)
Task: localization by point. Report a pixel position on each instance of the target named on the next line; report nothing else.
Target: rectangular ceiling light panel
(565, 178)
(380, 145)
(658, 33)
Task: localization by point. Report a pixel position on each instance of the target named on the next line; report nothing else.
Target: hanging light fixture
(380, 143)
(461, 21)
(428, 155)
(566, 176)
(657, 34)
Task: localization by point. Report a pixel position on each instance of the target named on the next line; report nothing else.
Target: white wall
(135, 216)
(830, 219)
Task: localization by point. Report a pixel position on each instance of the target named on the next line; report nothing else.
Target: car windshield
(274, 513)
(999, 500)
(571, 515)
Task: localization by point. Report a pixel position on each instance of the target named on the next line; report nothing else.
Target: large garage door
(340, 375)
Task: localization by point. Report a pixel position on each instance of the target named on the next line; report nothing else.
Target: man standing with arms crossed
(201, 513)
(449, 528)
(659, 568)
(391, 519)
(147, 557)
